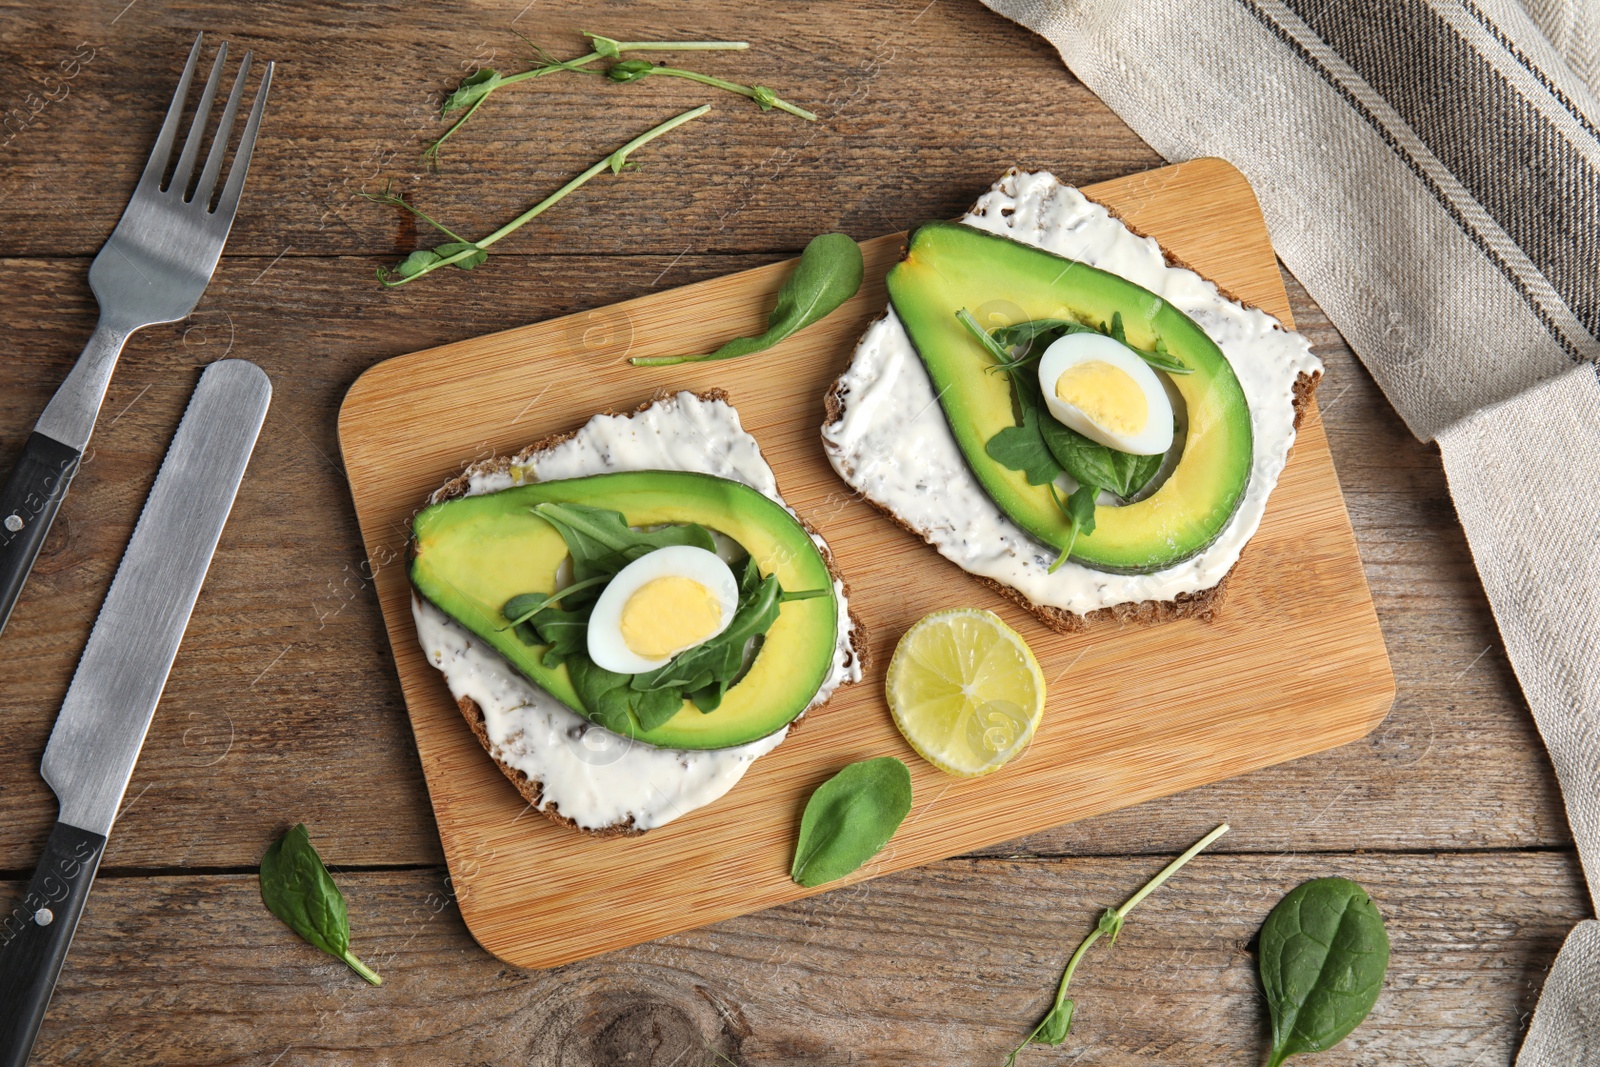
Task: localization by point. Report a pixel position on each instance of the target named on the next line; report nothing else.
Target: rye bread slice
(530, 788)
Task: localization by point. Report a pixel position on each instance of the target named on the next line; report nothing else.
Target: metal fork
(153, 269)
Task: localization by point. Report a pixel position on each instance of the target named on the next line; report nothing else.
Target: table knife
(113, 696)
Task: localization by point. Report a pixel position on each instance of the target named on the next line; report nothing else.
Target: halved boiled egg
(1101, 388)
(659, 605)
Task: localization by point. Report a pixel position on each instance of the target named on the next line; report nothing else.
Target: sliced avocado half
(473, 553)
(948, 266)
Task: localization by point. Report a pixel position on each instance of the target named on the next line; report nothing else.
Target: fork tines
(179, 182)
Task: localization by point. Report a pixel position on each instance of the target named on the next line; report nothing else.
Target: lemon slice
(965, 691)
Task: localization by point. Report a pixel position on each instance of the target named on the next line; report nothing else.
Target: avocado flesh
(948, 266)
(472, 554)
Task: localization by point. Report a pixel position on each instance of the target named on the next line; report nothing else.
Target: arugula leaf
(297, 888)
(602, 542)
(984, 338)
(1161, 359)
(720, 658)
(525, 606)
(850, 818)
(1035, 335)
(1057, 1023)
(1080, 508)
(1115, 331)
(1323, 954)
(1022, 333)
(828, 274)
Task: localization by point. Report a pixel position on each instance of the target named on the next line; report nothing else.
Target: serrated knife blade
(112, 699)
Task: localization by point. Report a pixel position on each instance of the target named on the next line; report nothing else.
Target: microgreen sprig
(632, 70)
(459, 252)
(1053, 1028)
(477, 87)
(519, 609)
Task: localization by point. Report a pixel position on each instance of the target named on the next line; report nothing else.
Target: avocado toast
(629, 615)
(1066, 414)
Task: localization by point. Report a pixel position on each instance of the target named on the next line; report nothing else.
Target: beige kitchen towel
(1430, 172)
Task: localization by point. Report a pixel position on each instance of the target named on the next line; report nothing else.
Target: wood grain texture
(1457, 763)
(283, 704)
(1296, 664)
(919, 969)
(359, 85)
(246, 740)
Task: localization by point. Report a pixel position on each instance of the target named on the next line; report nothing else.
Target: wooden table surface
(283, 705)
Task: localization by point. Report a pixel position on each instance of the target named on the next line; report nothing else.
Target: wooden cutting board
(1296, 665)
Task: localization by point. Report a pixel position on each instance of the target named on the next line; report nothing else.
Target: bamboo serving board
(1296, 664)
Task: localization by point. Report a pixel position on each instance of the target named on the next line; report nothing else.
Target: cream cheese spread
(891, 443)
(588, 774)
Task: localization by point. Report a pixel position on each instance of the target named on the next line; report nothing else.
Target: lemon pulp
(965, 691)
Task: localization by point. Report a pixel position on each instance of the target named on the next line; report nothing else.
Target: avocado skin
(949, 266)
(471, 554)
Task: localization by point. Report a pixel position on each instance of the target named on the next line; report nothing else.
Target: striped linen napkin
(1430, 172)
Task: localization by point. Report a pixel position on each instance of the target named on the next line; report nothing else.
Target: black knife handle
(37, 933)
(28, 506)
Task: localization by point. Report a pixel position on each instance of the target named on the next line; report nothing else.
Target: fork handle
(28, 506)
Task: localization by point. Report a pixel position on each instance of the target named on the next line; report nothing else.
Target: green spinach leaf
(297, 888)
(828, 274)
(1023, 448)
(1135, 471)
(565, 632)
(1022, 333)
(850, 818)
(1089, 462)
(613, 703)
(1323, 954)
(1092, 463)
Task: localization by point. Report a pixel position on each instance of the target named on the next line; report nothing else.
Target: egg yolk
(667, 615)
(1106, 394)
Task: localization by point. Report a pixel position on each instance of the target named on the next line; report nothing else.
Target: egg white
(605, 642)
(1075, 348)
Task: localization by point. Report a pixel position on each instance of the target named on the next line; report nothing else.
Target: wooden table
(283, 705)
